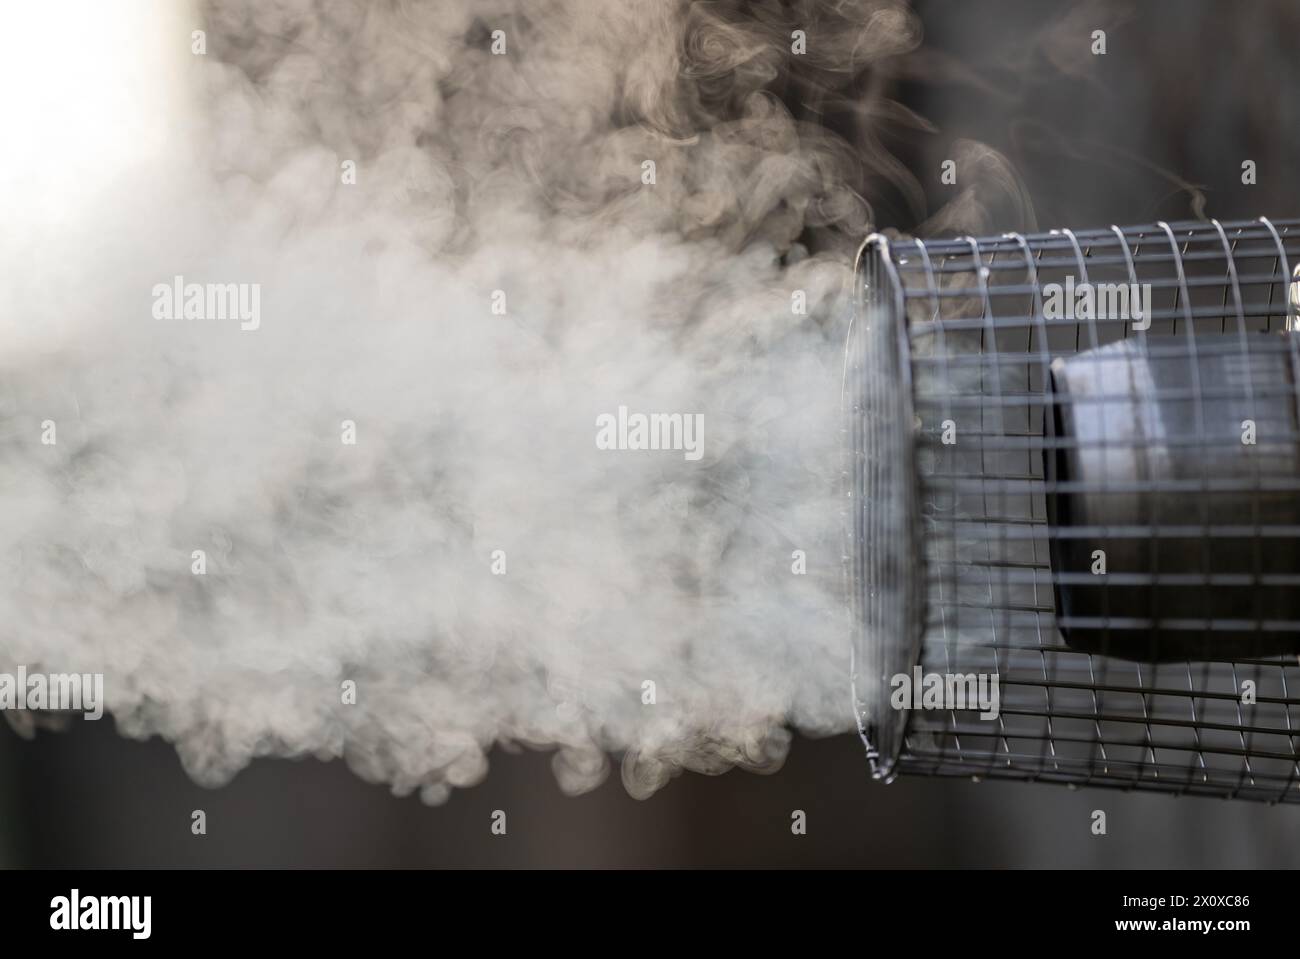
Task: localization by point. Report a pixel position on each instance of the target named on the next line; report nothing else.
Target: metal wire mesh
(1098, 500)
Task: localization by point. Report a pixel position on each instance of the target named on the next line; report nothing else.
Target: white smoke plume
(476, 172)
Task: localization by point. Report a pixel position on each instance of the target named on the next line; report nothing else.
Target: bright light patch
(87, 90)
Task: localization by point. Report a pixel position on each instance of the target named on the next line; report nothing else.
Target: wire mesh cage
(1073, 470)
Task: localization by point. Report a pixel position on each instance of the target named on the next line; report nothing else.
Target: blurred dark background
(89, 798)
(1157, 128)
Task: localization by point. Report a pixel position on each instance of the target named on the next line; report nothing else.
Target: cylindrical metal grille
(1074, 464)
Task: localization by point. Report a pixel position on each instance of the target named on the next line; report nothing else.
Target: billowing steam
(516, 180)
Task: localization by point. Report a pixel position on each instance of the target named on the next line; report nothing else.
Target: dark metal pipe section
(1173, 494)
